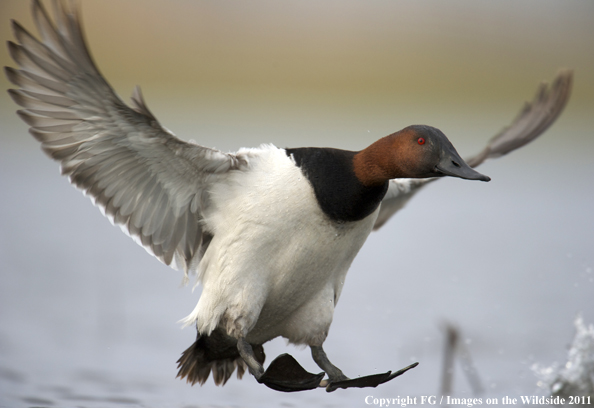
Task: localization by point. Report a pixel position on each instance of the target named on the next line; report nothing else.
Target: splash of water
(576, 376)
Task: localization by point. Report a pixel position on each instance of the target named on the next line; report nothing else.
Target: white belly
(276, 264)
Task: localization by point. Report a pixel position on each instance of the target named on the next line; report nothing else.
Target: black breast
(338, 191)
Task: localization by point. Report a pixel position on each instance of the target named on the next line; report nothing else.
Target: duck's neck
(378, 163)
(340, 194)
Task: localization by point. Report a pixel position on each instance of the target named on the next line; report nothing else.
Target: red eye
(421, 141)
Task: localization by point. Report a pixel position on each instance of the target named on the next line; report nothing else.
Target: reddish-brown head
(414, 152)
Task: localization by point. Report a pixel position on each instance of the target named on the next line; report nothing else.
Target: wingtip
(139, 104)
(563, 81)
(533, 120)
(14, 50)
(11, 74)
(563, 85)
(137, 96)
(15, 95)
(15, 24)
(25, 115)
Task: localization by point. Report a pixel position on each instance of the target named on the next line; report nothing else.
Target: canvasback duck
(269, 232)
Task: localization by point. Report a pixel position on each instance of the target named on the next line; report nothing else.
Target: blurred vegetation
(337, 68)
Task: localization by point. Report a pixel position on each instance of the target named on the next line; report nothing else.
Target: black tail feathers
(216, 352)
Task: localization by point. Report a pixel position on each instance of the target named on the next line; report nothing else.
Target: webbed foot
(367, 381)
(286, 374)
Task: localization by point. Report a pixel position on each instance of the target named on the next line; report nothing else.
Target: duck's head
(416, 151)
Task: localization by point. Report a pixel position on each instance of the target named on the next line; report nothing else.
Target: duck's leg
(321, 359)
(247, 353)
(283, 374)
(336, 379)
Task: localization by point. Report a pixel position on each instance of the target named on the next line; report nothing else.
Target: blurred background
(87, 318)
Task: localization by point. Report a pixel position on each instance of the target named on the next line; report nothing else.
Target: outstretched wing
(144, 179)
(532, 121)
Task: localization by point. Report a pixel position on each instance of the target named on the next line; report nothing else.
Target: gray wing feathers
(398, 194)
(531, 122)
(152, 184)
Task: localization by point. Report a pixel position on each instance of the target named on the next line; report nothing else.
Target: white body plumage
(277, 263)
